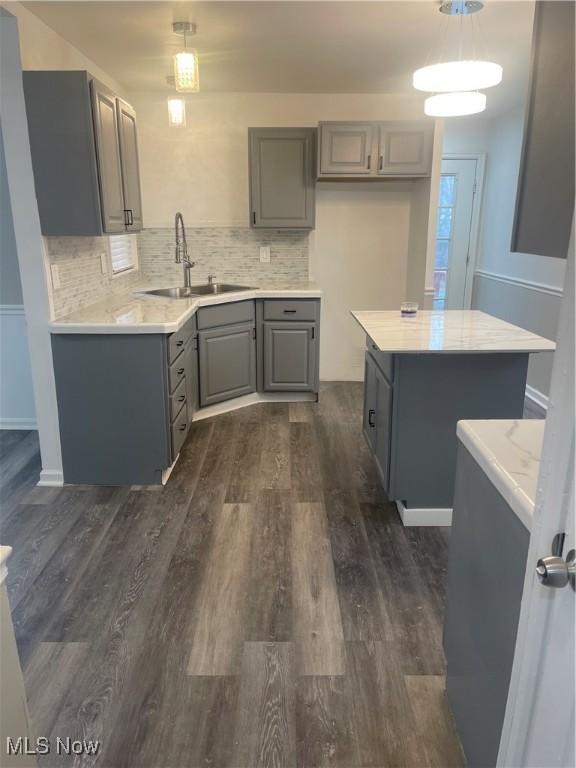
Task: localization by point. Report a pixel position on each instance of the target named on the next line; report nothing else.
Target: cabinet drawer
(176, 373)
(177, 342)
(291, 309)
(226, 314)
(179, 430)
(178, 399)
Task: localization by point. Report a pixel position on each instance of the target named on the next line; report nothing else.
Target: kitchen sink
(182, 292)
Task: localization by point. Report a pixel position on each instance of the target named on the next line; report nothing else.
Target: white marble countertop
(5, 553)
(137, 312)
(447, 331)
(508, 451)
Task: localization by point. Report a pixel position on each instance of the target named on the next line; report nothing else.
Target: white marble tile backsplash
(231, 254)
(82, 281)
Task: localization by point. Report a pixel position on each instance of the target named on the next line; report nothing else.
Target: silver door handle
(554, 571)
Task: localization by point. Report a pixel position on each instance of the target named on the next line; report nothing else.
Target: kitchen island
(425, 373)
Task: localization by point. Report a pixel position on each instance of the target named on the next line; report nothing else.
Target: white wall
(358, 255)
(43, 48)
(520, 287)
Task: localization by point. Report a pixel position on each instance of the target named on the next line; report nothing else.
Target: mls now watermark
(45, 746)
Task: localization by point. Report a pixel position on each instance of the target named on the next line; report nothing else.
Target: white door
(539, 726)
(455, 233)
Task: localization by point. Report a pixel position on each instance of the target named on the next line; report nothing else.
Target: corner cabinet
(282, 184)
(84, 155)
(226, 351)
(375, 149)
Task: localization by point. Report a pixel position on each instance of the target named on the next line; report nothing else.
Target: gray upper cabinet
(290, 356)
(375, 150)
(105, 108)
(84, 155)
(282, 193)
(405, 148)
(130, 166)
(347, 149)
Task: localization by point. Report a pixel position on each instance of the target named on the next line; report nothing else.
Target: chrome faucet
(182, 248)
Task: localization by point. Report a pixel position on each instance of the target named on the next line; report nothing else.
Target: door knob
(554, 571)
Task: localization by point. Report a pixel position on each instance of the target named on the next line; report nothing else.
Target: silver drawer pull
(181, 398)
(371, 413)
(182, 427)
(180, 371)
(289, 311)
(179, 343)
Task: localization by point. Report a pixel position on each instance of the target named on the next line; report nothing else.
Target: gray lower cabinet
(227, 359)
(289, 356)
(84, 152)
(377, 418)
(412, 404)
(482, 608)
(282, 177)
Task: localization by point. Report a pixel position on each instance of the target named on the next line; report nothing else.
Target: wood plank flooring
(265, 608)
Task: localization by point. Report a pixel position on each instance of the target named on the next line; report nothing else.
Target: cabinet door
(282, 177)
(346, 149)
(405, 149)
(191, 376)
(227, 363)
(383, 427)
(105, 111)
(290, 357)
(369, 417)
(130, 166)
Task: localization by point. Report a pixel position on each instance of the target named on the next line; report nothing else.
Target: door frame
(551, 515)
(476, 218)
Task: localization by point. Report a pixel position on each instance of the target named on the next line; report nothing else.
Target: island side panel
(488, 551)
(432, 392)
(112, 397)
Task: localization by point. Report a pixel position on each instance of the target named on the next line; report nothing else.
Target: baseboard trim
(519, 282)
(424, 516)
(15, 423)
(51, 478)
(537, 397)
(253, 399)
(12, 309)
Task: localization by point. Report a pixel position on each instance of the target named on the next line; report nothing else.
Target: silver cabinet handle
(371, 414)
(369, 161)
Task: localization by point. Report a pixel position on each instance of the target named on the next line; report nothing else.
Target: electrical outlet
(264, 254)
(104, 262)
(55, 274)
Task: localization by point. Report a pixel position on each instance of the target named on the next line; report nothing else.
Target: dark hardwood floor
(265, 608)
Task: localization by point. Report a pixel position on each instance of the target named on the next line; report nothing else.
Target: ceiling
(290, 47)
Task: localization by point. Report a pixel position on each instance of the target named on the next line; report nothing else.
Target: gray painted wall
(10, 288)
(527, 307)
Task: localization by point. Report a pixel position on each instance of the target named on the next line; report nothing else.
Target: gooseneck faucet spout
(181, 250)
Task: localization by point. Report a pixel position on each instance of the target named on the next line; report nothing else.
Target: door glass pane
(442, 250)
(445, 221)
(447, 189)
(440, 284)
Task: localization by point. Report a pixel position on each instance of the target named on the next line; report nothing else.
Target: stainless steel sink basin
(197, 290)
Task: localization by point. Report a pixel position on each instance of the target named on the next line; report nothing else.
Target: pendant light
(456, 83)
(186, 71)
(176, 112)
(457, 103)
